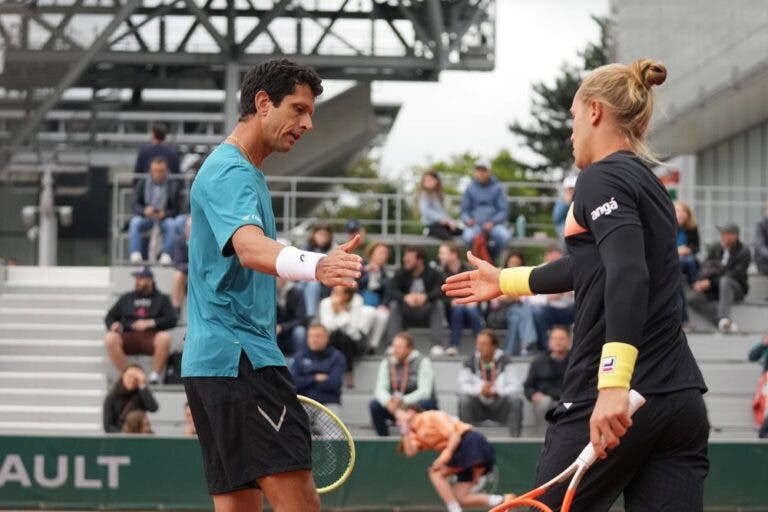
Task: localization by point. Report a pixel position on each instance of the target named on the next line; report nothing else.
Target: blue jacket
(485, 203)
(306, 364)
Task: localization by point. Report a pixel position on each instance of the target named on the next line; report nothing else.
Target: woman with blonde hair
(687, 247)
(431, 205)
(623, 266)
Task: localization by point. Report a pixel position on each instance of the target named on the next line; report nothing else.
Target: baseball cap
(482, 164)
(730, 227)
(144, 272)
(353, 226)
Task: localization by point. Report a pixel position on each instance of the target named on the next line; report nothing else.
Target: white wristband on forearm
(297, 265)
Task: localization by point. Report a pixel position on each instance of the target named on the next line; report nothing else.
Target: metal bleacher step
(40, 363)
(59, 380)
(718, 347)
(57, 316)
(729, 412)
(52, 413)
(51, 347)
(65, 332)
(54, 300)
(50, 396)
(39, 288)
(49, 428)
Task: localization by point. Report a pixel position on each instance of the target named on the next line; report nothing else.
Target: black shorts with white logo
(249, 427)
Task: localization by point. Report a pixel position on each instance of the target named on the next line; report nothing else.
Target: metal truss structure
(48, 47)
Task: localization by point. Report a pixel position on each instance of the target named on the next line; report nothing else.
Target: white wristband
(297, 265)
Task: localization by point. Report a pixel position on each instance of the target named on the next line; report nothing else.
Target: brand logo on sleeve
(605, 209)
(251, 216)
(608, 365)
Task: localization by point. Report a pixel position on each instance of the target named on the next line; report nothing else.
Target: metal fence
(296, 199)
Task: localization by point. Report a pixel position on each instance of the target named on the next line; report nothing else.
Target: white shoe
(734, 328)
(451, 351)
(724, 325)
(136, 257)
(165, 259)
(437, 350)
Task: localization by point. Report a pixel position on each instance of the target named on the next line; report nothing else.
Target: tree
(549, 134)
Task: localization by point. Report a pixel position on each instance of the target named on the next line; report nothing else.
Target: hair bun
(649, 72)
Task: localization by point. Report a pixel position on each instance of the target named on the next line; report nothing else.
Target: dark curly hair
(278, 78)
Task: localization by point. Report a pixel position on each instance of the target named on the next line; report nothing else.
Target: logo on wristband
(303, 257)
(608, 365)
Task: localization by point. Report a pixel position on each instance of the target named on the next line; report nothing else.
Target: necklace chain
(247, 153)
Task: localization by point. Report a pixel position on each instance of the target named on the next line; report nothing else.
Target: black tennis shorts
(473, 450)
(249, 427)
(660, 465)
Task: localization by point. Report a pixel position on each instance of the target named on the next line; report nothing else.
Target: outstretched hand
(477, 285)
(341, 267)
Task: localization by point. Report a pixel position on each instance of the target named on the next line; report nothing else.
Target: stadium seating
(54, 373)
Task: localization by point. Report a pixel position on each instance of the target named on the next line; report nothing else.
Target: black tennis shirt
(623, 266)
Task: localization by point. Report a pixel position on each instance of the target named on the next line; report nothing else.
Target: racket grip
(588, 455)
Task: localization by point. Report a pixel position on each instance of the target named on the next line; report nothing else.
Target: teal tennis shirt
(230, 308)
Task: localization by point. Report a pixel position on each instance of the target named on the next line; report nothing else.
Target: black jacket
(761, 242)
(116, 407)
(400, 284)
(140, 202)
(736, 268)
(131, 307)
(692, 240)
(545, 375)
(294, 313)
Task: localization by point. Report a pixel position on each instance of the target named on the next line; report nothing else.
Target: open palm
(477, 285)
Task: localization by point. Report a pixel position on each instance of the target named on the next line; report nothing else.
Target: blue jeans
(498, 237)
(545, 316)
(139, 225)
(380, 415)
(521, 328)
(463, 316)
(690, 267)
(178, 225)
(293, 340)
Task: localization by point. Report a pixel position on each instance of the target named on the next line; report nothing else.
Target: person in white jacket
(349, 323)
(488, 386)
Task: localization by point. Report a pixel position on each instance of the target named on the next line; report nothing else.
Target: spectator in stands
(138, 323)
(291, 317)
(545, 376)
(181, 265)
(760, 351)
(349, 323)
(761, 243)
(129, 393)
(373, 288)
(373, 281)
(465, 456)
(157, 148)
(722, 279)
(488, 386)
(687, 247)
(562, 205)
(354, 227)
(155, 200)
(320, 240)
(137, 422)
(415, 297)
(484, 210)
(431, 201)
(319, 368)
(515, 315)
(404, 378)
(459, 315)
(189, 422)
(554, 309)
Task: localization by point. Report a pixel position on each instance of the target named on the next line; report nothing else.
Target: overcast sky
(471, 110)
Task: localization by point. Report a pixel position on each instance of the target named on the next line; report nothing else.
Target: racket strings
(330, 447)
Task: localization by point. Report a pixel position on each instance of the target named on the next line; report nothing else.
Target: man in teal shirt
(253, 432)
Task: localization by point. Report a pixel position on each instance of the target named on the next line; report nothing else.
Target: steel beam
(70, 78)
(202, 17)
(263, 23)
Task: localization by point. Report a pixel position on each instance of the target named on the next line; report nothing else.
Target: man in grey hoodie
(484, 208)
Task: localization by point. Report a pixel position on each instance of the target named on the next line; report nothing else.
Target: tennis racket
(333, 450)
(586, 458)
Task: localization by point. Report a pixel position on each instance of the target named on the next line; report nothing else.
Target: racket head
(519, 503)
(333, 449)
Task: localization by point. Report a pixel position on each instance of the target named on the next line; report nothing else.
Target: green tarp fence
(123, 472)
